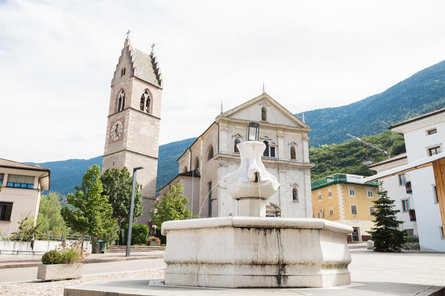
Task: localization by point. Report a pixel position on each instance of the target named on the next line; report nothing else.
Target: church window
(123, 71)
(120, 101)
(145, 102)
(292, 153)
(263, 113)
(185, 169)
(266, 151)
(196, 163)
(235, 145)
(295, 194)
(210, 153)
(272, 151)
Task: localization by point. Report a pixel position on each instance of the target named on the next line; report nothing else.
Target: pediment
(276, 113)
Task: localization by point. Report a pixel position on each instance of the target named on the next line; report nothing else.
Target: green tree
(50, 218)
(172, 206)
(88, 211)
(117, 186)
(386, 236)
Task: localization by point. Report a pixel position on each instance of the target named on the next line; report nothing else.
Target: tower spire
(127, 40)
(264, 88)
(152, 47)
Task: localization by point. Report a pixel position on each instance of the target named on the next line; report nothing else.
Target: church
(132, 140)
(132, 134)
(215, 154)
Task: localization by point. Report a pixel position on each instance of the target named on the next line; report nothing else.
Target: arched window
(210, 153)
(295, 194)
(185, 169)
(235, 147)
(196, 163)
(120, 101)
(292, 153)
(145, 102)
(266, 151)
(264, 113)
(123, 71)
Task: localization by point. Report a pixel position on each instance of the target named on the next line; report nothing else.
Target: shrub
(52, 257)
(139, 234)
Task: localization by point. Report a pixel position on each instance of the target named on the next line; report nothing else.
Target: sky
(57, 59)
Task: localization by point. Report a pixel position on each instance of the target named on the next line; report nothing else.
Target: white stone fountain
(251, 250)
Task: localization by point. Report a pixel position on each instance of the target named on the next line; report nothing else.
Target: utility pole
(130, 220)
(370, 145)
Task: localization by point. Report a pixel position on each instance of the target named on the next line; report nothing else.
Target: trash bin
(102, 245)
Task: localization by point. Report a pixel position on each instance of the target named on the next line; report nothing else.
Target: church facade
(132, 134)
(214, 154)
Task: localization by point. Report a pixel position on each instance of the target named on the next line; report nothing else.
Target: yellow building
(346, 199)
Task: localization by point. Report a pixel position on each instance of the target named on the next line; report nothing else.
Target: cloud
(57, 59)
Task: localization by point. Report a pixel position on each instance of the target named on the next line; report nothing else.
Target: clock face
(116, 130)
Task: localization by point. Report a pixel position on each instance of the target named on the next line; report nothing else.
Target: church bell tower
(132, 135)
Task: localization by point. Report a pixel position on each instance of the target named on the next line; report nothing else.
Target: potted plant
(63, 263)
(153, 241)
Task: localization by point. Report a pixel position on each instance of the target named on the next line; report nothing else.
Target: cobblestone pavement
(55, 288)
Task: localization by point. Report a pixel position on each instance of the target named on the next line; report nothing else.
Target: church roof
(145, 66)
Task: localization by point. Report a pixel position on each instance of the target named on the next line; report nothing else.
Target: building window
(1, 178)
(235, 145)
(145, 102)
(329, 192)
(20, 181)
(210, 153)
(5, 211)
(431, 131)
(185, 169)
(263, 113)
(123, 70)
(293, 155)
(402, 179)
(196, 163)
(209, 198)
(320, 213)
(409, 232)
(436, 200)
(295, 194)
(405, 205)
(371, 211)
(331, 212)
(369, 192)
(270, 150)
(434, 150)
(120, 101)
(319, 195)
(353, 209)
(351, 191)
(442, 234)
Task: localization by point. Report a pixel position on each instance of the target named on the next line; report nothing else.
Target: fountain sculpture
(251, 250)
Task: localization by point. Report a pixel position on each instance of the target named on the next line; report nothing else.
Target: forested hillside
(420, 93)
(352, 157)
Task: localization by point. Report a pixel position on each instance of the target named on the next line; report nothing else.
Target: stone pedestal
(235, 252)
(252, 207)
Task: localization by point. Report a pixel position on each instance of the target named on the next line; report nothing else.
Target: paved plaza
(372, 274)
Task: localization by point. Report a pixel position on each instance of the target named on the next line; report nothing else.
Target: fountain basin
(236, 252)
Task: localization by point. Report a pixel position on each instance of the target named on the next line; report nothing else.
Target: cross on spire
(152, 47)
(128, 33)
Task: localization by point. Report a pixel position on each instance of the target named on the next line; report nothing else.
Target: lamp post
(130, 220)
(253, 131)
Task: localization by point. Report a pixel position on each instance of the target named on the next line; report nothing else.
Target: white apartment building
(424, 140)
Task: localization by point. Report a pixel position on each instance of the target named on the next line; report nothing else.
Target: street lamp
(130, 220)
(253, 131)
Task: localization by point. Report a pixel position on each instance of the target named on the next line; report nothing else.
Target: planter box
(51, 272)
(154, 243)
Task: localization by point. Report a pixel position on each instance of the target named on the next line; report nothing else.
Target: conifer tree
(386, 236)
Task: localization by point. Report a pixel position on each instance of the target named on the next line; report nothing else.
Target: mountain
(421, 93)
(66, 174)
